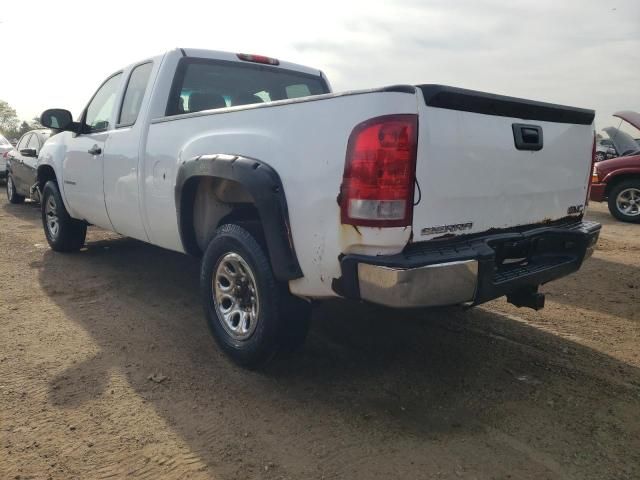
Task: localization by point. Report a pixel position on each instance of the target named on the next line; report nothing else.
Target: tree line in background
(10, 125)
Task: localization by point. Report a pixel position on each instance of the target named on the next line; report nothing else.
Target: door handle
(95, 150)
(527, 137)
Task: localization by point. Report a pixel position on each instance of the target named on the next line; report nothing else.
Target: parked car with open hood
(617, 181)
(22, 166)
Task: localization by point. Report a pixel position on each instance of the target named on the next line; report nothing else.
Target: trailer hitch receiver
(527, 297)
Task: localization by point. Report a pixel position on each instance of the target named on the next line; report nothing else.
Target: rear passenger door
(29, 162)
(121, 178)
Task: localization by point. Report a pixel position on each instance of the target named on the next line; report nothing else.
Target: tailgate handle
(527, 137)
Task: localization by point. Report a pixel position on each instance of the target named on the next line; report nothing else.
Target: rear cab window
(203, 84)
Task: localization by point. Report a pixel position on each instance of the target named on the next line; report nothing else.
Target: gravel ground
(107, 370)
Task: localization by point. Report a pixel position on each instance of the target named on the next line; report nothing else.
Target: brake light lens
(247, 57)
(379, 173)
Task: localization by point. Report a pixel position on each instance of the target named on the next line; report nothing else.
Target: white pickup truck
(405, 196)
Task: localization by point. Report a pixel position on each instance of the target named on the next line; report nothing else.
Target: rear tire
(624, 201)
(247, 310)
(64, 234)
(12, 194)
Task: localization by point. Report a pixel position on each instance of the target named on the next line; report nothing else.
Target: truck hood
(624, 143)
(629, 116)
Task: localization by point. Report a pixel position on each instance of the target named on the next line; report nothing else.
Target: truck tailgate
(480, 165)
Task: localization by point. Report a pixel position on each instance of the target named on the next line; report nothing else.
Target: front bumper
(597, 192)
(468, 271)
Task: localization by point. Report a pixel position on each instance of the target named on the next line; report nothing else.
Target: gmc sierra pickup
(405, 196)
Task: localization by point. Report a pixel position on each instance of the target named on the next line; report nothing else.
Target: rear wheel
(624, 201)
(248, 311)
(64, 234)
(12, 194)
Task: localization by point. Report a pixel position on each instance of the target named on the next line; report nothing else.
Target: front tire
(64, 234)
(624, 201)
(246, 308)
(12, 194)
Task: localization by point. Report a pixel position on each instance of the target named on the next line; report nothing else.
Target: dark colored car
(617, 180)
(21, 166)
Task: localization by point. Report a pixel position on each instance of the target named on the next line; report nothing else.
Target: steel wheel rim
(628, 202)
(9, 188)
(235, 296)
(51, 215)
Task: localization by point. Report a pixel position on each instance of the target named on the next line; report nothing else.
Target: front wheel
(12, 194)
(246, 308)
(64, 234)
(624, 201)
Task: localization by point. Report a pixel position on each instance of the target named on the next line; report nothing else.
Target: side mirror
(58, 119)
(28, 152)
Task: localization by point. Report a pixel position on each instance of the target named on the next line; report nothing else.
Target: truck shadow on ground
(374, 392)
(384, 383)
(614, 289)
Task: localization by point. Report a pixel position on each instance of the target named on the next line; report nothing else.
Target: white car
(5, 148)
(405, 196)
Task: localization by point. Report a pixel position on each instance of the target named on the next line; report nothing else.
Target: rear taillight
(379, 172)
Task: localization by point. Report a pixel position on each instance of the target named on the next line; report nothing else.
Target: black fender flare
(263, 184)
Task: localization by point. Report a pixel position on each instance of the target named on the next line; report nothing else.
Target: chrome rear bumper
(469, 270)
(446, 283)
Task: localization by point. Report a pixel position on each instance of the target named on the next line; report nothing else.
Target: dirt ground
(490, 393)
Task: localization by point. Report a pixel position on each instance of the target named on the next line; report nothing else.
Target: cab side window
(34, 143)
(134, 94)
(22, 144)
(99, 112)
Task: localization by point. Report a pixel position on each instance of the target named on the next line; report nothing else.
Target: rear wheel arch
(212, 190)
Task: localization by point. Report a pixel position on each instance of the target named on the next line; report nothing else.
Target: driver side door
(83, 166)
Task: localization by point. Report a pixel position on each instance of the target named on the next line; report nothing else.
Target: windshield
(4, 141)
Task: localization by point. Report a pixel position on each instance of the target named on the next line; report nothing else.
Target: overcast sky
(577, 52)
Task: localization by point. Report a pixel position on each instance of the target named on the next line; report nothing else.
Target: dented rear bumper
(470, 270)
